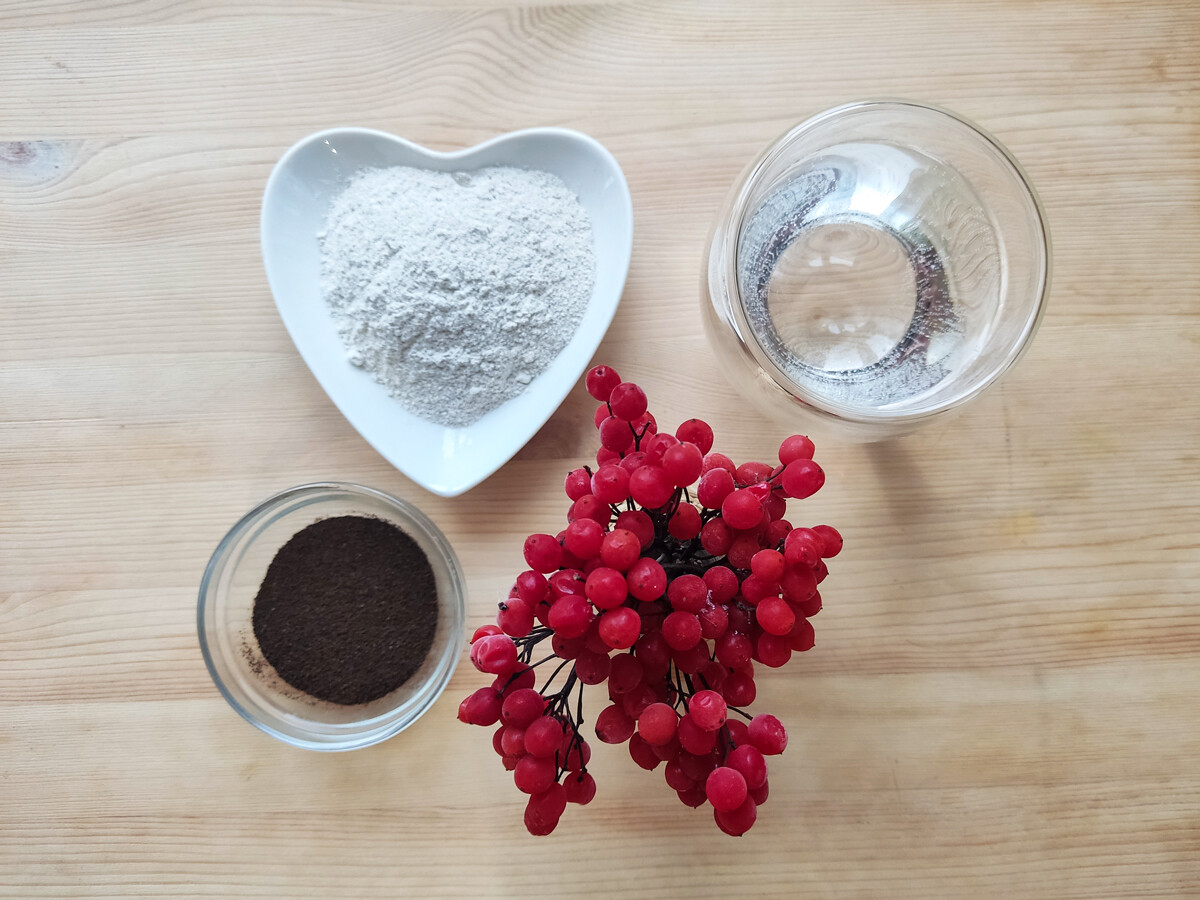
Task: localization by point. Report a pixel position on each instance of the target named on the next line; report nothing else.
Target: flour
(456, 289)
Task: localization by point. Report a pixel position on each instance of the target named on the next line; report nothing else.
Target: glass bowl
(878, 266)
(247, 680)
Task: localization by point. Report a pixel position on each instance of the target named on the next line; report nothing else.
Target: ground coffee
(347, 610)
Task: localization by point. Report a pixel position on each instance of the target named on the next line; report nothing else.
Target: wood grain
(1002, 700)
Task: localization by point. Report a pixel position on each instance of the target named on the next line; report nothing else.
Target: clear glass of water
(878, 266)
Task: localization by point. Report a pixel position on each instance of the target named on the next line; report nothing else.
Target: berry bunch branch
(670, 600)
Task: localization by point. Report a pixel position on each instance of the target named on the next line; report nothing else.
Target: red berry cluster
(668, 601)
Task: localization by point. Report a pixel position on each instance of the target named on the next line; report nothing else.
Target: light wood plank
(1001, 702)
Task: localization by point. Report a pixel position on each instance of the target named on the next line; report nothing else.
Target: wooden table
(1003, 698)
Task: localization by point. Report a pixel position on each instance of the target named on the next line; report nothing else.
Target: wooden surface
(1003, 700)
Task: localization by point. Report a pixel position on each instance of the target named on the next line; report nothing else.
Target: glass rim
(738, 210)
(363, 732)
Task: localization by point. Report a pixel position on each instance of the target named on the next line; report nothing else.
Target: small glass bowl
(247, 680)
(878, 266)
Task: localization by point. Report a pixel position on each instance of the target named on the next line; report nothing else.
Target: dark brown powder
(347, 610)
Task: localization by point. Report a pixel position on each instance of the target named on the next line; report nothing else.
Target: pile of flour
(456, 289)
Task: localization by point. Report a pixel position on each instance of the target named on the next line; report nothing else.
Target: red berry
(521, 707)
(642, 753)
(486, 631)
(803, 546)
(653, 653)
(714, 620)
(574, 753)
(543, 736)
(775, 616)
(738, 732)
(613, 726)
(695, 739)
(831, 540)
(798, 584)
(600, 382)
(657, 446)
(647, 579)
(495, 654)
(590, 507)
(577, 483)
(681, 630)
(534, 774)
(726, 788)
(633, 460)
(752, 473)
(564, 582)
(686, 522)
(542, 552)
(650, 487)
(657, 724)
(737, 822)
(639, 523)
(626, 674)
(716, 537)
(777, 531)
(689, 661)
(481, 708)
(582, 538)
(748, 760)
(523, 677)
(580, 788)
(717, 461)
(544, 810)
(767, 734)
(808, 608)
(531, 587)
(627, 401)
(795, 447)
(515, 617)
(620, 549)
(634, 702)
(697, 766)
(733, 649)
(512, 741)
(592, 667)
(682, 464)
(802, 478)
(676, 778)
(616, 435)
(739, 690)
(696, 431)
(755, 590)
(802, 637)
(722, 582)
(707, 708)
(715, 485)
(772, 651)
(610, 484)
(742, 549)
(768, 565)
(740, 509)
(570, 616)
(606, 588)
(687, 593)
(619, 628)
(712, 676)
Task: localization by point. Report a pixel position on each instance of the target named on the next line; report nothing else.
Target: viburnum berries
(669, 602)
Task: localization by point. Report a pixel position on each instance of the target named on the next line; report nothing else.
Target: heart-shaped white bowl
(444, 460)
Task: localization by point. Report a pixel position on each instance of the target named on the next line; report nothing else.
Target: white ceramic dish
(446, 461)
